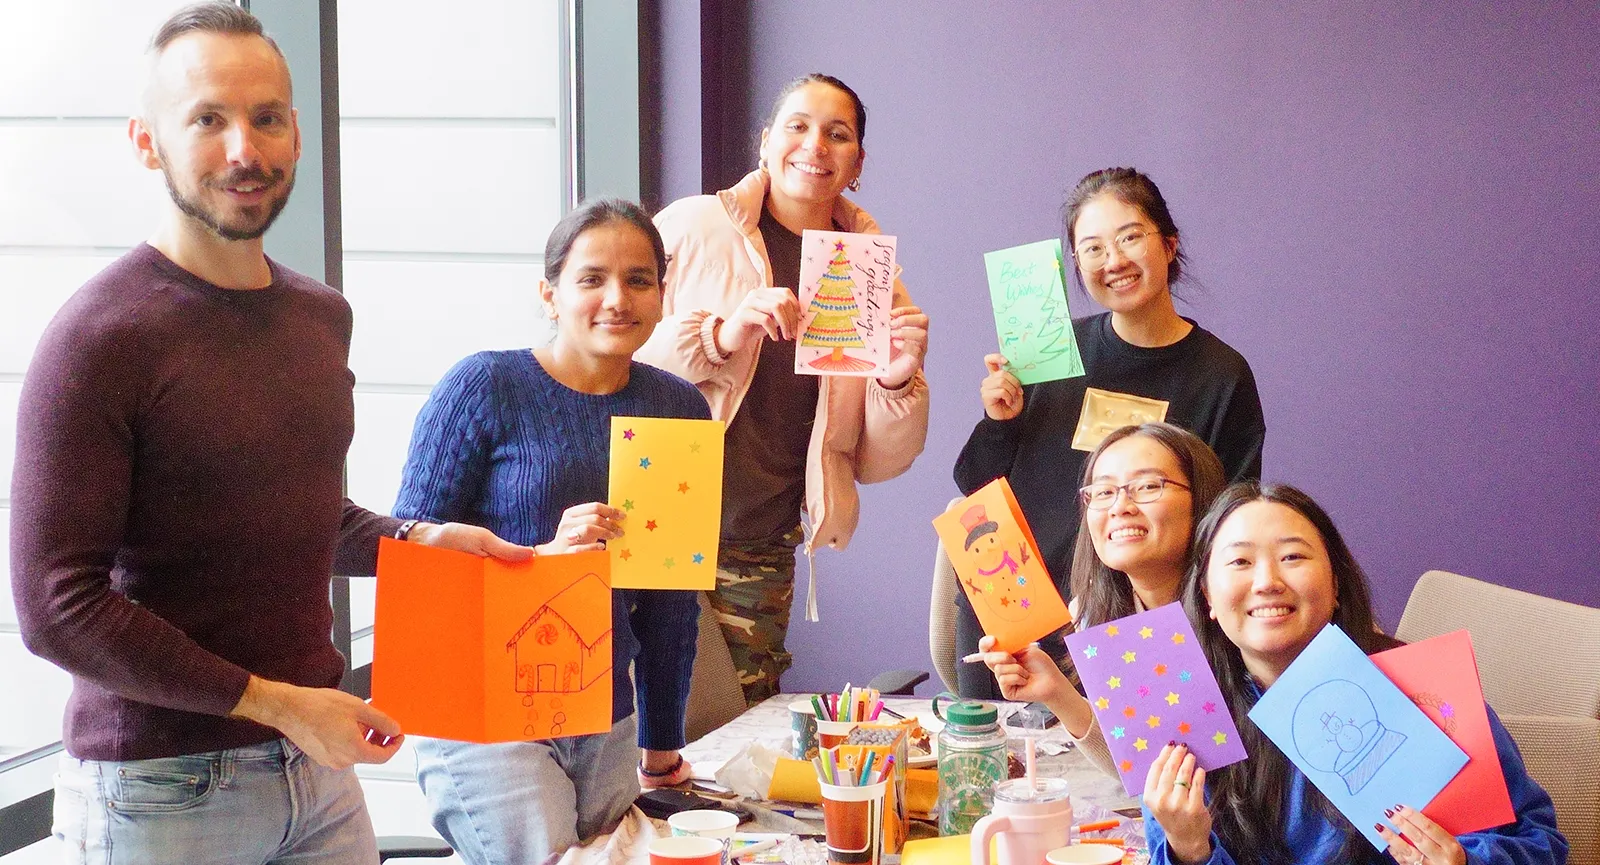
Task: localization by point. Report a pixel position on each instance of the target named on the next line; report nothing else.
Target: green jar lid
(971, 713)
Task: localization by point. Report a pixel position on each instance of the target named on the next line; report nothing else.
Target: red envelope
(1441, 676)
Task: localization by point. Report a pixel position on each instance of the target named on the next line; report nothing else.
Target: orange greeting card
(479, 650)
(666, 476)
(998, 567)
(1441, 676)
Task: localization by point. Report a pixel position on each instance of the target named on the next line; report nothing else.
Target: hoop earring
(762, 163)
(855, 185)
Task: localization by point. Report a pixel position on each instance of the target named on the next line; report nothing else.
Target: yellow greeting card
(666, 475)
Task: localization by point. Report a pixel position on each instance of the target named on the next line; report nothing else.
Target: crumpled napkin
(749, 772)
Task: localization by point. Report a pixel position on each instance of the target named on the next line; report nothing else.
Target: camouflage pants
(755, 588)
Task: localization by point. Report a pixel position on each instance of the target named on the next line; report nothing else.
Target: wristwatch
(404, 531)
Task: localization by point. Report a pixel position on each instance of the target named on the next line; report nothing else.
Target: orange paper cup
(831, 734)
(852, 817)
(685, 850)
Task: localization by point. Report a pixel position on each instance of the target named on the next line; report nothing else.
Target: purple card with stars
(1149, 684)
(666, 477)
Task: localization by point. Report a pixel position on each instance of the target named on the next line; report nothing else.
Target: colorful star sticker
(1446, 710)
(650, 525)
(1005, 602)
(1140, 744)
(1128, 712)
(1114, 683)
(1172, 698)
(1102, 704)
(1184, 727)
(1022, 581)
(694, 447)
(1146, 633)
(667, 564)
(1118, 732)
(1111, 630)
(1090, 651)
(1177, 639)
(989, 586)
(1129, 657)
(683, 487)
(1144, 690)
(1024, 603)
(1160, 669)
(1208, 707)
(1185, 676)
(1126, 765)
(627, 504)
(1153, 721)
(1220, 738)
(627, 434)
(625, 555)
(644, 462)
(699, 558)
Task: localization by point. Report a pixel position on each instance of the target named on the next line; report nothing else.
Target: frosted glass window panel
(32, 289)
(10, 395)
(75, 186)
(486, 58)
(34, 720)
(76, 58)
(422, 189)
(383, 434)
(8, 609)
(415, 319)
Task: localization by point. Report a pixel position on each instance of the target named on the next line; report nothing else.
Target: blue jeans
(516, 803)
(266, 803)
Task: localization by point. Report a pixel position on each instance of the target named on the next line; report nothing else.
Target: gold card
(1104, 411)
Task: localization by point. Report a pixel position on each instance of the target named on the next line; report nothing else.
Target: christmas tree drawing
(834, 313)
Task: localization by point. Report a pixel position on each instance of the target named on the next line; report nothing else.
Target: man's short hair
(211, 16)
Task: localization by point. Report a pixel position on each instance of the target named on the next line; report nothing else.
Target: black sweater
(1208, 386)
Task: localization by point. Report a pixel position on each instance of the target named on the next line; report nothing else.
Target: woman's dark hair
(1132, 188)
(1104, 594)
(1248, 799)
(593, 214)
(819, 78)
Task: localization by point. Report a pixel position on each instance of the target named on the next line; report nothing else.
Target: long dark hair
(1248, 799)
(821, 78)
(593, 214)
(1104, 594)
(1134, 189)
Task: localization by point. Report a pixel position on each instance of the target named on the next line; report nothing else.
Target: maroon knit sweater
(177, 502)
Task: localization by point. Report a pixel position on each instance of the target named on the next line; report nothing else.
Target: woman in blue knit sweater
(517, 441)
(1269, 571)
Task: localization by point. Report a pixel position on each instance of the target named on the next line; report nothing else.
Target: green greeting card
(1030, 312)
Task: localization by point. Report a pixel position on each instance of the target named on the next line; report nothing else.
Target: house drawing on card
(566, 644)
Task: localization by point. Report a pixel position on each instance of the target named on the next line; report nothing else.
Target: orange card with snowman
(998, 567)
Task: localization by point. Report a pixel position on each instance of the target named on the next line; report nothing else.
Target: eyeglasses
(1099, 497)
(1092, 253)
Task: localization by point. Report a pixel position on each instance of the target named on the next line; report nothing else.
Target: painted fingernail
(1377, 827)
(1172, 742)
(1388, 812)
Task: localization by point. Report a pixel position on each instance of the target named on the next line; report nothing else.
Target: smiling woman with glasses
(1142, 361)
(1144, 489)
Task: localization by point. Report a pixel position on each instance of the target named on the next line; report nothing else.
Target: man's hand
(468, 539)
(336, 729)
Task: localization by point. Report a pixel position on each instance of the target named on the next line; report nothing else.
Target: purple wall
(1391, 212)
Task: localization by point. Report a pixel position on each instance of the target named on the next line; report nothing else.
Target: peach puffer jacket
(863, 432)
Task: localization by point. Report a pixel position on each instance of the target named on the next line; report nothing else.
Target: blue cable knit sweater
(501, 444)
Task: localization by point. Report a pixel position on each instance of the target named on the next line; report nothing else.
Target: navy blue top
(501, 444)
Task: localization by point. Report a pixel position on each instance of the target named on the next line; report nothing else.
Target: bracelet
(667, 774)
(404, 531)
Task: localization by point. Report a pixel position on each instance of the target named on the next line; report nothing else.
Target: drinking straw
(1028, 750)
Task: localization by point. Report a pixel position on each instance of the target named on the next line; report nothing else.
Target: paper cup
(685, 850)
(852, 818)
(1085, 854)
(705, 824)
(803, 724)
(831, 734)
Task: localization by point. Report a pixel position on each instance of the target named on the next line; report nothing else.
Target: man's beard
(196, 211)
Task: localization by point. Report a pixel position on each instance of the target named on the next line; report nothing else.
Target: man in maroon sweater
(178, 504)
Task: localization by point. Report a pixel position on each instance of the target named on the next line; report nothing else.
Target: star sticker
(667, 564)
(1111, 630)
(1185, 676)
(1129, 657)
(683, 487)
(1102, 704)
(1153, 721)
(1140, 744)
(1177, 639)
(1184, 727)
(1118, 732)
(699, 558)
(1128, 712)
(1208, 707)
(989, 586)
(627, 434)
(1446, 710)
(1172, 698)
(650, 525)
(1160, 669)
(1005, 602)
(644, 462)
(1090, 651)
(1126, 765)
(694, 447)
(1022, 581)
(1221, 738)
(1114, 683)
(625, 555)
(1146, 632)
(1144, 690)
(627, 504)
(1024, 603)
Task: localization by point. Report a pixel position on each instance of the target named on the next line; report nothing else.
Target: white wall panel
(415, 319)
(8, 608)
(36, 692)
(487, 58)
(76, 58)
(383, 433)
(10, 394)
(442, 189)
(75, 186)
(363, 597)
(32, 288)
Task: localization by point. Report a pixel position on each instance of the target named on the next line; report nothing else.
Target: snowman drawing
(1001, 583)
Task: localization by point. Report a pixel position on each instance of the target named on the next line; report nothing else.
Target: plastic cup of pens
(838, 714)
(852, 820)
